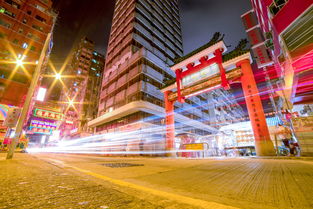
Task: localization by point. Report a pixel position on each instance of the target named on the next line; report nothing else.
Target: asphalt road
(209, 183)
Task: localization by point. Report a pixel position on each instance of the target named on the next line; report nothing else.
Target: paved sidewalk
(256, 183)
(27, 182)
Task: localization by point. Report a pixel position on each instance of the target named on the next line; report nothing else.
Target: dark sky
(92, 18)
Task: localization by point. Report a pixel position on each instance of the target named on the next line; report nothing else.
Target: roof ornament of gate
(204, 69)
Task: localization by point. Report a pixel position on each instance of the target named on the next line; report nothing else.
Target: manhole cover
(121, 165)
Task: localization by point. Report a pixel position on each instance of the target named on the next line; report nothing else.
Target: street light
(19, 62)
(29, 96)
(71, 103)
(58, 76)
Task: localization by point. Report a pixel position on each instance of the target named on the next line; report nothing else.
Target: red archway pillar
(170, 124)
(263, 144)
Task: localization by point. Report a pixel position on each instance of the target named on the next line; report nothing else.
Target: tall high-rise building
(81, 91)
(144, 41)
(24, 26)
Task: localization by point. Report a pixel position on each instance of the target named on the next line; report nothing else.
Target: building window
(38, 28)
(29, 12)
(41, 19)
(24, 20)
(20, 30)
(5, 24)
(15, 41)
(25, 45)
(13, 4)
(40, 8)
(11, 14)
(276, 6)
(32, 48)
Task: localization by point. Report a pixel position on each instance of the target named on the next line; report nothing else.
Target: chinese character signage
(42, 127)
(47, 114)
(255, 36)
(256, 39)
(262, 57)
(249, 20)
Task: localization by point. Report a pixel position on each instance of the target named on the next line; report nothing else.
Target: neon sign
(48, 114)
(39, 130)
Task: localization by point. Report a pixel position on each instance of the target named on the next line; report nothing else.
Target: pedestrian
(292, 149)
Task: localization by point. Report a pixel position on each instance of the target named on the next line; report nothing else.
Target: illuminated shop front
(42, 124)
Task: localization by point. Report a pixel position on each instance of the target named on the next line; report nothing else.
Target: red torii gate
(238, 69)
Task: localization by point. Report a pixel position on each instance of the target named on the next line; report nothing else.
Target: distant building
(24, 26)
(81, 91)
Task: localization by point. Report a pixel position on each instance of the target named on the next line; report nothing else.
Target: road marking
(167, 195)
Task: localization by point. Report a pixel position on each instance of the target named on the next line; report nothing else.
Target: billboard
(48, 114)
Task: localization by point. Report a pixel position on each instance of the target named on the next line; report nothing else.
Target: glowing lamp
(58, 76)
(41, 94)
(19, 62)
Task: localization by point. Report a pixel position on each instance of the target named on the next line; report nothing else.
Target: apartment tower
(82, 89)
(24, 26)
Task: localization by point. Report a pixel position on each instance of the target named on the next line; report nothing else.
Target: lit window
(25, 45)
(79, 72)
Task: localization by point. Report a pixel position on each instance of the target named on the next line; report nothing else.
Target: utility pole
(30, 93)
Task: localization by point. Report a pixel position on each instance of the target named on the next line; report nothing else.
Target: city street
(77, 181)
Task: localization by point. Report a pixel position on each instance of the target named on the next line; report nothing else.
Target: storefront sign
(43, 124)
(48, 114)
(249, 20)
(262, 57)
(255, 36)
(196, 146)
(39, 130)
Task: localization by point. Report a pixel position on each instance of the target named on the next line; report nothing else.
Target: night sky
(200, 19)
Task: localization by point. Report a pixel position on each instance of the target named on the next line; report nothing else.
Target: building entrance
(209, 68)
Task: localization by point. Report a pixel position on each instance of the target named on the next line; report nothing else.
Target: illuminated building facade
(283, 26)
(43, 122)
(145, 39)
(82, 88)
(281, 34)
(24, 26)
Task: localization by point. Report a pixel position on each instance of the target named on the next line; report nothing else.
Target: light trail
(118, 143)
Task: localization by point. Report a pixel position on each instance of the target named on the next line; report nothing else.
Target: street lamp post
(31, 90)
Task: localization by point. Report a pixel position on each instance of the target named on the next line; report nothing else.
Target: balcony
(292, 10)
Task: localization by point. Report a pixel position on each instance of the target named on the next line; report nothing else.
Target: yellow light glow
(71, 103)
(58, 76)
(19, 62)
